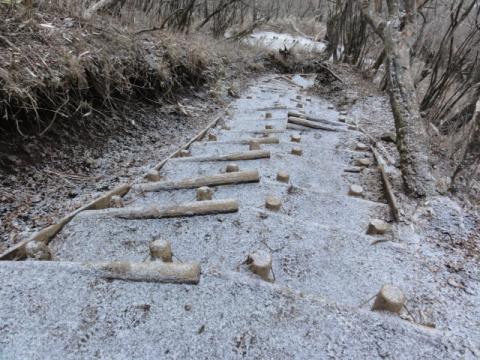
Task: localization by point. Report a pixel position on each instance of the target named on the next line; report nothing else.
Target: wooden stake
(297, 151)
(204, 193)
(283, 176)
(273, 203)
(389, 298)
(232, 168)
(260, 263)
(161, 250)
(230, 178)
(254, 145)
(296, 138)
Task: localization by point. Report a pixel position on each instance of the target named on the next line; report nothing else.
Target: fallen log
(229, 178)
(311, 124)
(311, 118)
(197, 208)
(154, 271)
(243, 156)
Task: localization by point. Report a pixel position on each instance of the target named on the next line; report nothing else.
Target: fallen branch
(214, 180)
(197, 208)
(154, 271)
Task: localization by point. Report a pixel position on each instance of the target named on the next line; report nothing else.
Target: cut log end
(204, 193)
(273, 203)
(378, 227)
(297, 151)
(283, 176)
(389, 298)
(232, 168)
(161, 249)
(260, 263)
(296, 138)
(355, 190)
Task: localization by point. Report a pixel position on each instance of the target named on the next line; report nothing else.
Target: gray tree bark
(397, 34)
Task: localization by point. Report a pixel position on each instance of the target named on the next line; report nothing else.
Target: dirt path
(325, 267)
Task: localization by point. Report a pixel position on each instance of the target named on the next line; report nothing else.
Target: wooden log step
(262, 140)
(311, 124)
(229, 178)
(242, 156)
(314, 119)
(197, 208)
(154, 271)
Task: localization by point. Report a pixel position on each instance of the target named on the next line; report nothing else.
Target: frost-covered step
(306, 257)
(322, 176)
(72, 313)
(300, 204)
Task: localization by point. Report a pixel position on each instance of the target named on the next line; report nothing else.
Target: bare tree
(398, 34)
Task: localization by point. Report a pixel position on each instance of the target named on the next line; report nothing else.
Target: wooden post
(161, 250)
(260, 263)
(389, 298)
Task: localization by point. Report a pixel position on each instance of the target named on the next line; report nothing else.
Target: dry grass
(55, 69)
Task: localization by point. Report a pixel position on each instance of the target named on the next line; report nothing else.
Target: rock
(153, 175)
(389, 298)
(204, 193)
(296, 138)
(260, 263)
(273, 203)
(232, 168)
(297, 151)
(283, 176)
(389, 137)
(363, 162)
(116, 202)
(377, 227)
(161, 249)
(362, 147)
(254, 145)
(356, 190)
(37, 250)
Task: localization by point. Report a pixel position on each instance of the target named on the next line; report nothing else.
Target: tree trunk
(412, 144)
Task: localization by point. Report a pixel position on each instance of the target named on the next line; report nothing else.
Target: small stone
(204, 193)
(389, 137)
(268, 127)
(268, 115)
(212, 137)
(300, 106)
(283, 176)
(363, 162)
(297, 151)
(161, 249)
(184, 153)
(389, 298)
(273, 203)
(356, 190)
(254, 145)
(296, 138)
(116, 202)
(37, 250)
(152, 175)
(361, 147)
(377, 227)
(232, 168)
(260, 263)
(188, 307)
